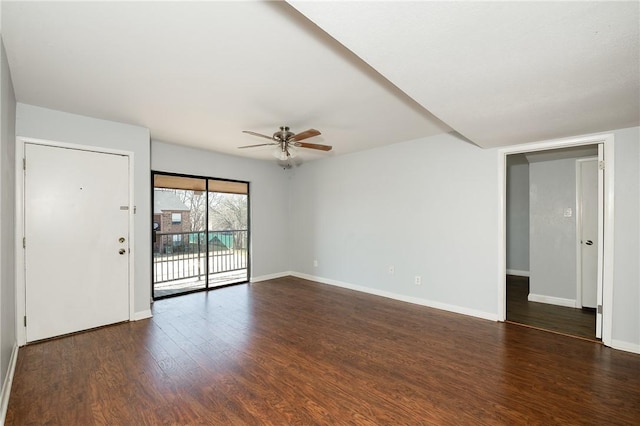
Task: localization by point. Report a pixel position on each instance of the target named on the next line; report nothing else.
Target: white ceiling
(501, 73)
(198, 73)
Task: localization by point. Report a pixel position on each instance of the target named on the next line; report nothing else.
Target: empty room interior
(311, 212)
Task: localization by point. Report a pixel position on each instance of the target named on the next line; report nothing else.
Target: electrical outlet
(392, 269)
(418, 280)
(315, 263)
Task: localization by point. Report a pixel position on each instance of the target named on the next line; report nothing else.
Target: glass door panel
(179, 229)
(228, 236)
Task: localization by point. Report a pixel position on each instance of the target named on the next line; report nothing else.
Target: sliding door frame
(155, 173)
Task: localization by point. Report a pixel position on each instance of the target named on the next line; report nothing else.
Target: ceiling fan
(286, 142)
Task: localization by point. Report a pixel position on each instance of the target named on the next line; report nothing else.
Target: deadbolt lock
(121, 239)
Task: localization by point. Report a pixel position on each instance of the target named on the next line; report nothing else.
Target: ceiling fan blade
(304, 135)
(260, 144)
(257, 134)
(313, 146)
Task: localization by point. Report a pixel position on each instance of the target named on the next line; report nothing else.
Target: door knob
(589, 243)
(122, 251)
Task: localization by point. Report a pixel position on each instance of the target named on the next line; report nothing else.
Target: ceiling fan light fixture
(281, 154)
(286, 143)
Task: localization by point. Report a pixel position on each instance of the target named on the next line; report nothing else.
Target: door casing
(20, 225)
(607, 221)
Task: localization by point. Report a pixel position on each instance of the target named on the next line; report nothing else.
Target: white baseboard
(403, 298)
(270, 276)
(6, 385)
(625, 346)
(137, 316)
(569, 303)
(517, 272)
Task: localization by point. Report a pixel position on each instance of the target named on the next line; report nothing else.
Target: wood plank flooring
(290, 351)
(571, 321)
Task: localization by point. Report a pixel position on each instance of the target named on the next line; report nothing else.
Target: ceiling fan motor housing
(283, 135)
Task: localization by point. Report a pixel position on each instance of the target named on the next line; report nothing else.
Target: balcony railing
(187, 255)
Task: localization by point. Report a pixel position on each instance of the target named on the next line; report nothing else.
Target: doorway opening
(546, 239)
(200, 235)
(552, 209)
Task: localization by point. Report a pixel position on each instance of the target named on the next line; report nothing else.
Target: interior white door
(589, 240)
(77, 240)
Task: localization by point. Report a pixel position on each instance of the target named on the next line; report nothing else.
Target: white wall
(517, 215)
(626, 297)
(42, 123)
(269, 198)
(428, 207)
(7, 223)
(552, 236)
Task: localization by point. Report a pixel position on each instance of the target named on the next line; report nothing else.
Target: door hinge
(24, 164)
(601, 165)
(25, 320)
(600, 309)
(24, 242)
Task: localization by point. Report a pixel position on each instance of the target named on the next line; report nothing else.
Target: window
(176, 218)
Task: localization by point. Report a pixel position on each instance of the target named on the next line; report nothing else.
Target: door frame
(249, 246)
(21, 335)
(607, 139)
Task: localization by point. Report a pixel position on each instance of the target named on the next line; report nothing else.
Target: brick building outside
(170, 215)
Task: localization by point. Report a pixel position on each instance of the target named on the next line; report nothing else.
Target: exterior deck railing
(183, 255)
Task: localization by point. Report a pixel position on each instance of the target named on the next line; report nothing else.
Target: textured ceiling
(198, 73)
(501, 73)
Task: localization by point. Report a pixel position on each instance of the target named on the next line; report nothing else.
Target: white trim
(579, 214)
(518, 273)
(137, 316)
(19, 251)
(8, 381)
(132, 240)
(403, 298)
(20, 263)
(502, 236)
(551, 300)
(608, 240)
(608, 140)
(625, 346)
(270, 276)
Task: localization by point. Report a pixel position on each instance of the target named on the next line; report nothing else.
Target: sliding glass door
(200, 233)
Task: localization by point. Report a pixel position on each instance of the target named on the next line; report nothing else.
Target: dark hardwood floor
(290, 351)
(560, 319)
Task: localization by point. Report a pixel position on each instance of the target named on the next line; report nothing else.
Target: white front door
(77, 240)
(589, 232)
